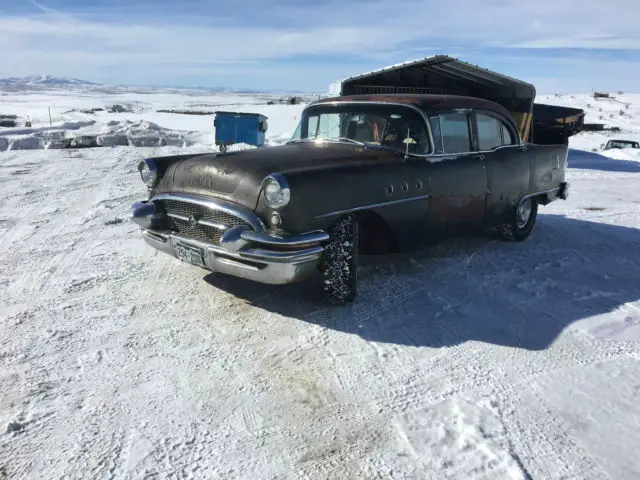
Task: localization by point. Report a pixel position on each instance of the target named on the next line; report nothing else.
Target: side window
(434, 122)
(454, 129)
(489, 132)
(312, 127)
(507, 136)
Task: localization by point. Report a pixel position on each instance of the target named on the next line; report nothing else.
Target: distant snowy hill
(38, 82)
(44, 80)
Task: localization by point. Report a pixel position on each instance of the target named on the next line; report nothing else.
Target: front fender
(390, 189)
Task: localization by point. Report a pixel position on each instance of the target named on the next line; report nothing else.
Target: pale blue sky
(559, 45)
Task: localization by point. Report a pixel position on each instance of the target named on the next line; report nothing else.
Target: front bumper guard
(243, 252)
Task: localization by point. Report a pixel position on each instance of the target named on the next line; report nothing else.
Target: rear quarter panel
(509, 179)
(548, 165)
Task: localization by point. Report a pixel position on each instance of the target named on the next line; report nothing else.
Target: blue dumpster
(236, 127)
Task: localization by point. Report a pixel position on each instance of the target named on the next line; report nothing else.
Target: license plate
(190, 254)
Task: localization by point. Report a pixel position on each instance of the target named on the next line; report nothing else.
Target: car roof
(423, 101)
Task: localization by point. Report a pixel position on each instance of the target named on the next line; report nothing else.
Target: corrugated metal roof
(446, 67)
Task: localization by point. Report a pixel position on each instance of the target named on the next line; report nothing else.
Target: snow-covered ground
(622, 111)
(472, 359)
(142, 117)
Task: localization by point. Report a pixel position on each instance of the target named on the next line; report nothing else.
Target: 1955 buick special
(362, 174)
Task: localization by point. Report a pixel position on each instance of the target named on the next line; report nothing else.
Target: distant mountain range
(41, 81)
(44, 80)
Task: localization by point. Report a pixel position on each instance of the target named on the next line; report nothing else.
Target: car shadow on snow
(475, 288)
(594, 161)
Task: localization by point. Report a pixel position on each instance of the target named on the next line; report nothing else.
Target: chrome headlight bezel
(148, 172)
(276, 191)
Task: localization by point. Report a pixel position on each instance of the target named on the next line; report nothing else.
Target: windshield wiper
(346, 139)
(331, 139)
(394, 150)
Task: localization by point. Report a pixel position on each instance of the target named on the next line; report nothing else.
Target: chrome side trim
(375, 205)
(476, 152)
(229, 208)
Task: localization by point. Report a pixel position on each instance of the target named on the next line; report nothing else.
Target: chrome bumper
(243, 252)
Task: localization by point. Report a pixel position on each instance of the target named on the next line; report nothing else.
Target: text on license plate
(190, 254)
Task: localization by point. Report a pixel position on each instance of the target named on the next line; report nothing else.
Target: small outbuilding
(446, 75)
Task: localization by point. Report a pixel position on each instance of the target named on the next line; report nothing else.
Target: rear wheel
(340, 261)
(524, 219)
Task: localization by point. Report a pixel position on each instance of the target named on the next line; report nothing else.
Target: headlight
(148, 172)
(276, 191)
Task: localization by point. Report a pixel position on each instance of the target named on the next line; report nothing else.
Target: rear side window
(507, 135)
(434, 122)
(489, 132)
(493, 132)
(451, 134)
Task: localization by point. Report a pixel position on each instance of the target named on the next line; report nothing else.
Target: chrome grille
(204, 233)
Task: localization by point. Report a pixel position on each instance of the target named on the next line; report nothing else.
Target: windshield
(389, 126)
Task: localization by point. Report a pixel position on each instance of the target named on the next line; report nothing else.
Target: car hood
(237, 177)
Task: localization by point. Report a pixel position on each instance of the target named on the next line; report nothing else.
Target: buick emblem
(193, 221)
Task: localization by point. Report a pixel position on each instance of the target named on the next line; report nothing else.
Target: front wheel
(340, 261)
(524, 219)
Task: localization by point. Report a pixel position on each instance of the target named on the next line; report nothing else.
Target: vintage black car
(362, 174)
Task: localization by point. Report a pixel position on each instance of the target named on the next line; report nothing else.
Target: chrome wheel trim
(523, 213)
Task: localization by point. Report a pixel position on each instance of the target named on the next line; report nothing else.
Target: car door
(507, 161)
(457, 174)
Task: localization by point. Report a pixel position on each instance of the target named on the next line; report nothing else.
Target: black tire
(340, 261)
(521, 225)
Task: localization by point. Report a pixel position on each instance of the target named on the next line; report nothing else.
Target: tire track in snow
(43, 292)
(456, 378)
(537, 433)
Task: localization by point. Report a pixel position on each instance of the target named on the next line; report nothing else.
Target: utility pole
(50, 122)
